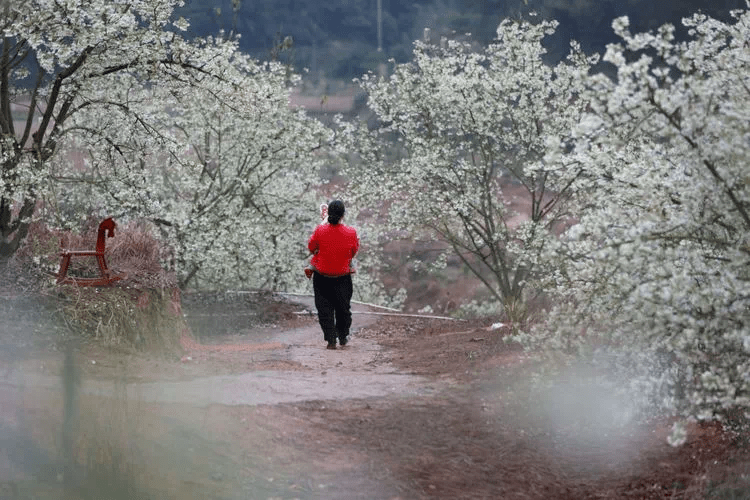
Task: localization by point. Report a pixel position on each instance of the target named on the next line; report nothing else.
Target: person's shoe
(343, 341)
(331, 345)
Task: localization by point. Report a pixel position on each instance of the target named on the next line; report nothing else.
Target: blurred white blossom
(656, 269)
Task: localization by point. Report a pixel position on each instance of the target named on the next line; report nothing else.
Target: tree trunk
(13, 229)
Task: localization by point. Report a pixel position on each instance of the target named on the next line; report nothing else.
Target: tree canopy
(470, 128)
(643, 175)
(106, 108)
(656, 266)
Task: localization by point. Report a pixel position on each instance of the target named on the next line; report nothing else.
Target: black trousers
(333, 301)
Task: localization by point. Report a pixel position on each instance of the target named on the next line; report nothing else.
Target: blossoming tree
(192, 135)
(658, 264)
(227, 182)
(56, 60)
(470, 125)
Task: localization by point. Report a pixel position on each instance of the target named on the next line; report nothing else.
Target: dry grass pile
(140, 311)
(145, 319)
(135, 252)
(132, 251)
(28, 271)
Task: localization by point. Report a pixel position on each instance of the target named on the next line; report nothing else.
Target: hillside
(338, 39)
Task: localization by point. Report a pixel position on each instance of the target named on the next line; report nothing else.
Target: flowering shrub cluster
(656, 267)
(468, 125)
(643, 176)
(226, 182)
(107, 109)
(58, 59)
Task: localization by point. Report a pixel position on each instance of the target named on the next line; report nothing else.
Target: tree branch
(32, 108)
(6, 117)
(55, 93)
(708, 164)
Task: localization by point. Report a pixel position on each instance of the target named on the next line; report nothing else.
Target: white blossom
(469, 126)
(655, 270)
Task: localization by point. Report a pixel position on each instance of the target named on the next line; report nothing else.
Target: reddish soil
(469, 443)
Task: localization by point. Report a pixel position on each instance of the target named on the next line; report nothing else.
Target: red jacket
(333, 247)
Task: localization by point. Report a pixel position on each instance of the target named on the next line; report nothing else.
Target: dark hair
(335, 211)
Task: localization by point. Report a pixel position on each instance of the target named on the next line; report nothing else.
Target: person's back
(333, 246)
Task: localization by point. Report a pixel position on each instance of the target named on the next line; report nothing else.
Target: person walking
(333, 246)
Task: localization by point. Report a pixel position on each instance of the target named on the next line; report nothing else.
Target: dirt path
(356, 371)
(180, 430)
(411, 409)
